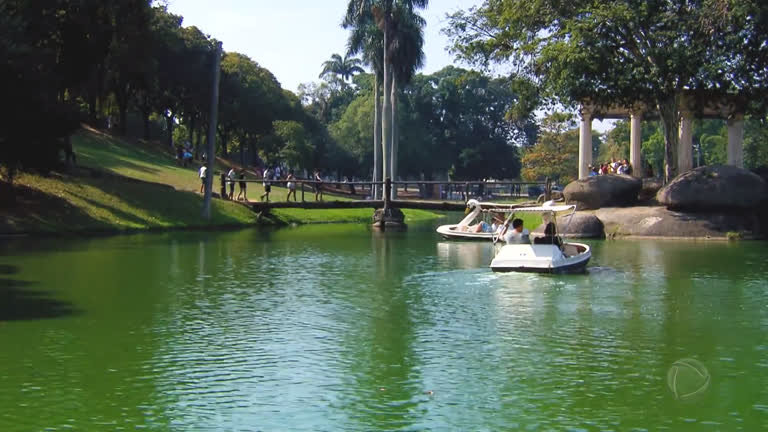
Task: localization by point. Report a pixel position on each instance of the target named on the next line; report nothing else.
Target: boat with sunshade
(546, 254)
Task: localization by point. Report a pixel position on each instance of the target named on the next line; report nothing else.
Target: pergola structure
(691, 106)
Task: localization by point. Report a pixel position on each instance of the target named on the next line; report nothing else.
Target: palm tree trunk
(169, 125)
(393, 164)
(386, 117)
(376, 136)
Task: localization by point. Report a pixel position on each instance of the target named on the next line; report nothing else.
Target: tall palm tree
(345, 67)
(407, 57)
(384, 13)
(366, 39)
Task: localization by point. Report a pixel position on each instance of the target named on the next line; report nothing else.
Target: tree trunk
(145, 118)
(92, 108)
(223, 138)
(191, 130)
(200, 134)
(386, 117)
(393, 164)
(669, 125)
(376, 136)
(123, 117)
(242, 152)
(169, 124)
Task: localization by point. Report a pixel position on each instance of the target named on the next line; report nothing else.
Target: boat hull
(449, 233)
(542, 259)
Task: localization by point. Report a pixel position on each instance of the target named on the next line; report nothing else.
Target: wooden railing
(446, 190)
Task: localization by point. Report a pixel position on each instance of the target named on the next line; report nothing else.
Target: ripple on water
(396, 333)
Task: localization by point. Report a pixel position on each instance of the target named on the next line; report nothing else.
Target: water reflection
(465, 255)
(344, 328)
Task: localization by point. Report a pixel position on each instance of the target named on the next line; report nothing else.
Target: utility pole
(210, 156)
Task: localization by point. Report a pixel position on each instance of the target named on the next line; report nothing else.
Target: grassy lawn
(122, 185)
(63, 203)
(152, 163)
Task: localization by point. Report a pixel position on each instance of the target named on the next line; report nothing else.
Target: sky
(292, 38)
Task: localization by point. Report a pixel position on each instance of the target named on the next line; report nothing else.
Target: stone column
(685, 144)
(735, 140)
(585, 143)
(635, 143)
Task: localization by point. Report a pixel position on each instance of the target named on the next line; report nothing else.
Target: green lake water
(341, 328)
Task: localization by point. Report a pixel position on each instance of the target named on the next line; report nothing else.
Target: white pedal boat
(476, 213)
(547, 254)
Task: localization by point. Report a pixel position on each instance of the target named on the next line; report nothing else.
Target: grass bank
(122, 185)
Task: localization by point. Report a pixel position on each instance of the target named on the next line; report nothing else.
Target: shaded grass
(124, 186)
(71, 204)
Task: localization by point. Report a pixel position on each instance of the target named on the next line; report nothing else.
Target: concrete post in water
(211, 148)
(735, 140)
(387, 192)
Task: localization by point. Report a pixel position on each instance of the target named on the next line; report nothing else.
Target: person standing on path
(231, 177)
(203, 175)
(243, 186)
(291, 186)
(318, 186)
(267, 185)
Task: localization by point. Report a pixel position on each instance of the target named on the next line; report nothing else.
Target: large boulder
(603, 191)
(657, 221)
(580, 225)
(715, 187)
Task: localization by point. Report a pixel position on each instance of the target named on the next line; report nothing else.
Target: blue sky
(292, 38)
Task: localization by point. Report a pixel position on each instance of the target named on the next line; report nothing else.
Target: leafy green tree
(353, 133)
(297, 148)
(129, 62)
(47, 53)
(455, 121)
(556, 153)
(621, 52)
(756, 143)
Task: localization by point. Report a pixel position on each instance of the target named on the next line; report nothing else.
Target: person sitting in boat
(550, 236)
(486, 227)
(498, 222)
(518, 234)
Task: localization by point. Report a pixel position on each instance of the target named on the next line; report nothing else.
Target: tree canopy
(624, 52)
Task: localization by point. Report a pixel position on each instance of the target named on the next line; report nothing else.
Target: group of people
(234, 176)
(613, 167)
(184, 154)
(518, 234)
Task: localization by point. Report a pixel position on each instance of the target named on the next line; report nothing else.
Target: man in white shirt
(203, 174)
(231, 177)
(518, 234)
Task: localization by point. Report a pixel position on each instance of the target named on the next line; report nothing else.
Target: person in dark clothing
(224, 186)
(243, 186)
(550, 236)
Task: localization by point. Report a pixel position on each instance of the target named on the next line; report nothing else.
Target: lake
(341, 328)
